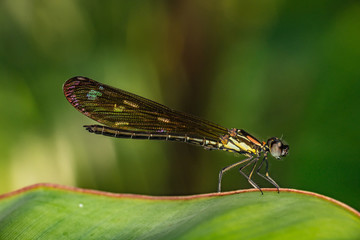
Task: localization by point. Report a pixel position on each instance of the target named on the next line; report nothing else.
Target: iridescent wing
(122, 110)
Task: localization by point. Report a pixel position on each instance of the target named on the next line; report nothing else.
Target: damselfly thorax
(126, 115)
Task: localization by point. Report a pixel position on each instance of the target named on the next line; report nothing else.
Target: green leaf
(47, 211)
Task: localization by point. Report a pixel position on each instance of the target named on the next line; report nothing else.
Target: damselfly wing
(126, 115)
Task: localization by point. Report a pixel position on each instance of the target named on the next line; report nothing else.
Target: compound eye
(284, 150)
(277, 148)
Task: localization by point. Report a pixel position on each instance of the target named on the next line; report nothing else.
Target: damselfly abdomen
(126, 115)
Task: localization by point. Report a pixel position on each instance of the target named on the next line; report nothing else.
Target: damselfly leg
(267, 176)
(225, 169)
(254, 161)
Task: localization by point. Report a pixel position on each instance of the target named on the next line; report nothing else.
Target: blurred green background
(274, 68)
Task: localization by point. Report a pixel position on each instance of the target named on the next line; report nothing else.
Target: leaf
(48, 211)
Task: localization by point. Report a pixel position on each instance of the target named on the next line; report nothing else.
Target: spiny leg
(228, 168)
(250, 175)
(267, 176)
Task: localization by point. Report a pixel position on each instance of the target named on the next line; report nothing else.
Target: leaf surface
(48, 211)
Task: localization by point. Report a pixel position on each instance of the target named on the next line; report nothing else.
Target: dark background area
(274, 68)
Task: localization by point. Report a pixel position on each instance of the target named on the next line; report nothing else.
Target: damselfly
(126, 115)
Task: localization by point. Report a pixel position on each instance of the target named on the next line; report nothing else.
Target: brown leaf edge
(189, 197)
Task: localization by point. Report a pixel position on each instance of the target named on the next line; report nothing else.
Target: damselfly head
(277, 148)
